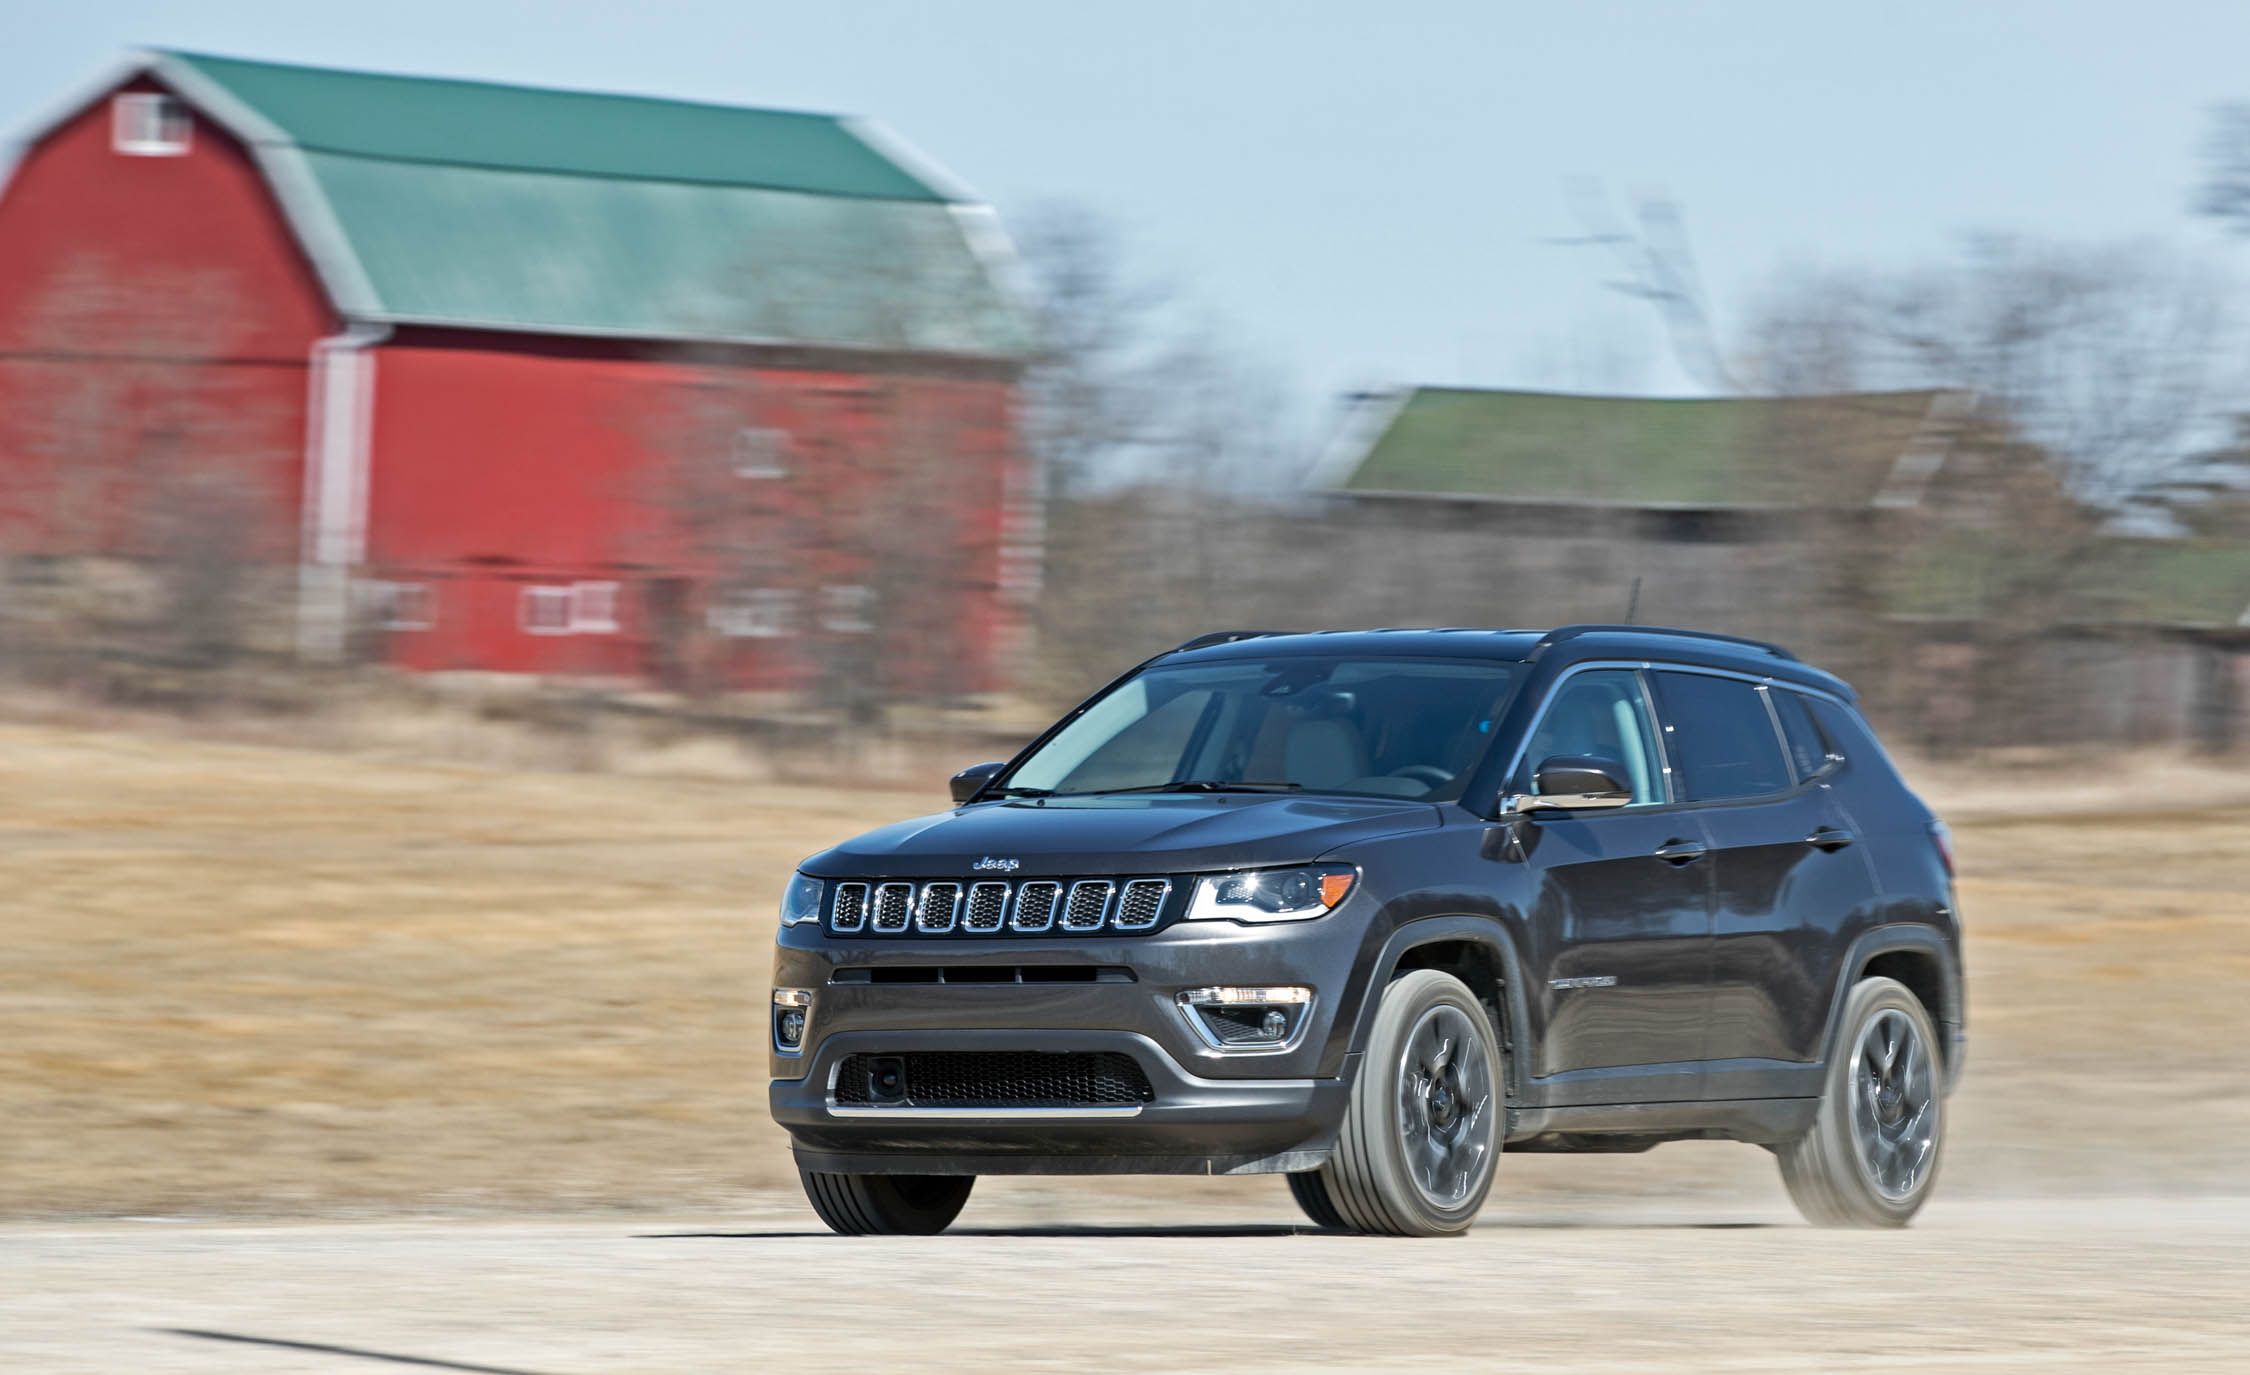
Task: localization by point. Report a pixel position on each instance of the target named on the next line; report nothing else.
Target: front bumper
(1194, 1125)
(1211, 1111)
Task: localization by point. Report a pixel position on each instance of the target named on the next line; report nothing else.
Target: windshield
(1408, 728)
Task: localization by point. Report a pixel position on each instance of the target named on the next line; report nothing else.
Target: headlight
(800, 901)
(1260, 895)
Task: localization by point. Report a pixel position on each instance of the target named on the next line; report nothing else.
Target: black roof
(1564, 644)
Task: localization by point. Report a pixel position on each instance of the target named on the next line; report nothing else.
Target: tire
(1416, 1154)
(1312, 1197)
(1871, 1155)
(905, 1205)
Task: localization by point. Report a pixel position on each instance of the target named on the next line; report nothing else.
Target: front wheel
(858, 1205)
(1422, 1132)
(1872, 1152)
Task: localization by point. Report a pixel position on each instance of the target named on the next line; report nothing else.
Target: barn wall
(501, 464)
(155, 321)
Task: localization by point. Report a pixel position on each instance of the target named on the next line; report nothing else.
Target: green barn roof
(2196, 584)
(466, 203)
(1636, 451)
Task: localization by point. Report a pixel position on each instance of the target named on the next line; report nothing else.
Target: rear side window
(1808, 752)
(1723, 737)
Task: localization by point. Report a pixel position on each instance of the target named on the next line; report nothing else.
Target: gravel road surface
(1135, 1284)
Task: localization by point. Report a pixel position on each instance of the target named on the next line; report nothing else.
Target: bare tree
(146, 503)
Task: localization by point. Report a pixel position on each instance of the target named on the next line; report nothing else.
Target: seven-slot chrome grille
(1029, 907)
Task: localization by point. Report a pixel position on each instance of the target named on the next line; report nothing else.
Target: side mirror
(1577, 783)
(971, 780)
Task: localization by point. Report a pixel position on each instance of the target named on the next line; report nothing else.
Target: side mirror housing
(971, 780)
(1575, 783)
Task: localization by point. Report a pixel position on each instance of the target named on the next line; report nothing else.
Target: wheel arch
(1475, 950)
(1922, 959)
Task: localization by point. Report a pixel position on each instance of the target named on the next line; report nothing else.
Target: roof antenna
(1633, 604)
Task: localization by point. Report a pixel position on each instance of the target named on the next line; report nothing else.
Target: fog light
(1248, 1020)
(792, 1012)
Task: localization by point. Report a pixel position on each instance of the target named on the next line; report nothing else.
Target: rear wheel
(1872, 1153)
(887, 1204)
(1422, 1132)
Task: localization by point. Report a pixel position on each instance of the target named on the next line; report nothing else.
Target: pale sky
(1363, 199)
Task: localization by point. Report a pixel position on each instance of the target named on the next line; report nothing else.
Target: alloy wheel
(1445, 1117)
(1894, 1092)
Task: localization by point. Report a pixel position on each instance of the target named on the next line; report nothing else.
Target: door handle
(1830, 839)
(1679, 852)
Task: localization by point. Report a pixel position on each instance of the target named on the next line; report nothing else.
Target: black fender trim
(1921, 940)
(1478, 930)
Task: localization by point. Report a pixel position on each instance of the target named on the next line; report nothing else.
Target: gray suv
(1363, 908)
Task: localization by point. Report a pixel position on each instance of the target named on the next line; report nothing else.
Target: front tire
(1422, 1132)
(1313, 1200)
(909, 1205)
(1872, 1153)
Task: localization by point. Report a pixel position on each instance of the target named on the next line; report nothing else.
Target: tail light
(1942, 836)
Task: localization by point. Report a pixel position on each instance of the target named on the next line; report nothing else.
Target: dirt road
(254, 983)
(2121, 1284)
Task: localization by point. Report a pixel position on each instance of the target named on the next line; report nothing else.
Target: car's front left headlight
(1268, 895)
(800, 901)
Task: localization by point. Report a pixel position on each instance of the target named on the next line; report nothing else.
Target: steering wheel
(1423, 773)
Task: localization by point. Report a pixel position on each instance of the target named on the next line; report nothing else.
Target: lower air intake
(999, 1079)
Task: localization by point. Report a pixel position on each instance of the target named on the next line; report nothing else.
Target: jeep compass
(1367, 908)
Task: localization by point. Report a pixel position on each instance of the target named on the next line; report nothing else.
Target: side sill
(1761, 1121)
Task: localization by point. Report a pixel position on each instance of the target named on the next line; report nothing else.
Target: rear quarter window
(1809, 751)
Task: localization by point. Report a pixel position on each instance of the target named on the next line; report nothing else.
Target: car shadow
(352, 1352)
(1203, 1231)
(1220, 1231)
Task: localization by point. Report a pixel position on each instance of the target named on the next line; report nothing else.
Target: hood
(1051, 837)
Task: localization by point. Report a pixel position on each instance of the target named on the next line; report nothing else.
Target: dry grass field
(258, 981)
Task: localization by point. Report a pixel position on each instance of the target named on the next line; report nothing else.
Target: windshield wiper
(1020, 792)
(1205, 785)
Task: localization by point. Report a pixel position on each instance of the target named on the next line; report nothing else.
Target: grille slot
(988, 905)
(1089, 902)
(1141, 904)
(1035, 905)
(1003, 1079)
(940, 901)
(893, 903)
(851, 907)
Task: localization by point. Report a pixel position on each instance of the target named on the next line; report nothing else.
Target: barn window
(399, 605)
(593, 608)
(544, 610)
(847, 610)
(760, 453)
(762, 613)
(579, 608)
(143, 125)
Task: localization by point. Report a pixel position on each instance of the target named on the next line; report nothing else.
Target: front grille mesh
(1141, 904)
(1089, 903)
(939, 902)
(893, 902)
(989, 907)
(1001, 1079)
(1035, 905)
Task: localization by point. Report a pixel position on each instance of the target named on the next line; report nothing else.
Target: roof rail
(1571, 632)
(1223, 637)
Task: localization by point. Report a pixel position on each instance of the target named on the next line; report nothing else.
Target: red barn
(520, 380)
